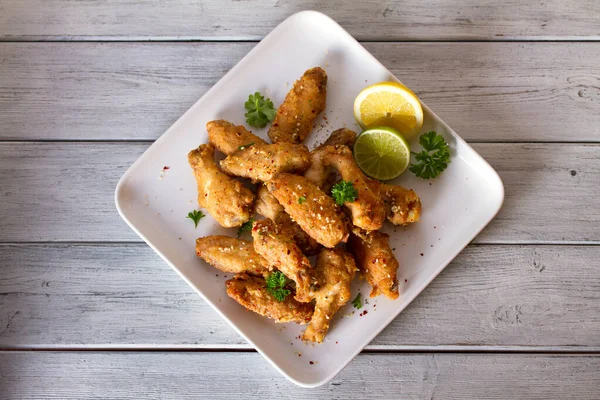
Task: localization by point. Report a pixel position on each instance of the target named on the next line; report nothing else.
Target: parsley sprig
(260, 110)
(344, 191)
(276, 283)
(246, 227)
(196, 216)
(357, 302)
(433, 159)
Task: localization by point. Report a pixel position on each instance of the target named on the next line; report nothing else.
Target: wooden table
(87, 310)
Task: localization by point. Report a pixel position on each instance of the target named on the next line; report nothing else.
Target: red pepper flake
(311, 363)
(276, 124)
(365, 312)
(406, 280)
(325, 118)
(336, 342)
(166, 168)
(435, 226)
(299, 354)
(421, 254)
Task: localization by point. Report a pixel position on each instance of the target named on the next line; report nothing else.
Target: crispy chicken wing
(335, 271)
(280, 250)
(262, 162)
(226, 199)
(312, 209)
(368, 210)
(267, 205)
(319, 172)
(251, 292)
(376, 261)
(297, 113)
(228, 138)
(231, 255)
(403, 205)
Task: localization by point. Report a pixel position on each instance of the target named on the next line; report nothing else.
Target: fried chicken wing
(231, 255)
(302, 105)
(368, 210)
(341, 137)
(280, 250)
(262, 162)
(251, 292)
(403, 205)
(376, 261)
(267, 205)
(319, 172)
(335, 271)
(312, 209)
(226, 199)
(228, 138)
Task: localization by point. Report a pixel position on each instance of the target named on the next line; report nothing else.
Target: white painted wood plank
(88, 375)
(485, 91)
(226, 19)
(119, 296)
(64, 192)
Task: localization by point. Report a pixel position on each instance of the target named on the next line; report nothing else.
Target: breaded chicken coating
(226, 199)
(376, 261)
(281, 251)
(296, 115)
(251, 292)
(312, 209)
(231, 255)
(403, 205)
(335, 271)
(263, 162)
(228, 138)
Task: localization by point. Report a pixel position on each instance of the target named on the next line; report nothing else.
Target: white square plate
(456, 206)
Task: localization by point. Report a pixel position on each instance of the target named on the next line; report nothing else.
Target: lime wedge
(382, 153)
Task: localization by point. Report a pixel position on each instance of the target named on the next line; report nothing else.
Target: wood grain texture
(231, 19)
(228, 376)
(64, 192)
(116, 296)
(113, 91)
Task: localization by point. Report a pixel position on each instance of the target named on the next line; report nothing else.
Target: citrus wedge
(382, 153)
(389, 104)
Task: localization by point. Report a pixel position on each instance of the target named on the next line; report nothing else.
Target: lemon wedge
(389, 104)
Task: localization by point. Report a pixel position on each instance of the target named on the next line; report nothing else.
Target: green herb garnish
(433, 159)
(344, 191)
(301, 200)
(276, 282)
(246, 227)
(260, 110)
(357, 302)
(245, 146)
(196, 216)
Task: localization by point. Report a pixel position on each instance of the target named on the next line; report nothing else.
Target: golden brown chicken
(319, 172)
(262, 162)
(312, 209)
(281, 251)
(231, 255)
(335, 271)
(368, 209)
(226, 199)
(302, 105)
(251, 292)
(267, 205)
(376, 261)
(403, 205)
(228, 138)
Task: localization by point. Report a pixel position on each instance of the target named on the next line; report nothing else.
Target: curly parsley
(357, 302)
(276, 283)
(196, 216)
(246, 227)
(260, 110)
(301, 200)
(433, 159)
(344, 191)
